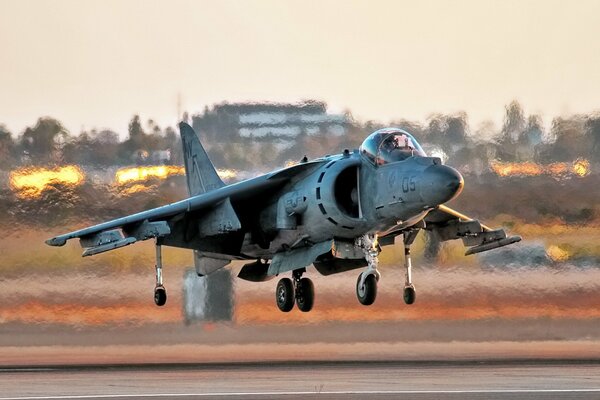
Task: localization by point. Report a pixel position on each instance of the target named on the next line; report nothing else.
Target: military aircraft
(335, 212)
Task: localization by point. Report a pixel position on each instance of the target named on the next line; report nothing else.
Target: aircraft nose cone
(442, 184)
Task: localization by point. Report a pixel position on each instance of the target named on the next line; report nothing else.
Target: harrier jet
(335, 213)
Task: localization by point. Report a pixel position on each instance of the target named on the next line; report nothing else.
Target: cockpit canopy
(390, 145)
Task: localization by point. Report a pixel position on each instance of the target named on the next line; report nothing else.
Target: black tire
(284, 295)
(160, 296)
(410, 295)
(367, 294)
(305, 295)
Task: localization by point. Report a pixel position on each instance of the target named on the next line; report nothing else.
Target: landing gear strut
(160, 293)
(301, 290)
(410, 294)
(366, 285)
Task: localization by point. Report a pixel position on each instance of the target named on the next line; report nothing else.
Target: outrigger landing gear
(410, 294)
(366, 285)
(301, 290)
(160, 293)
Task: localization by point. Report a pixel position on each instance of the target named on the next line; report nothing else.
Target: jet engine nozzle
(441, 184)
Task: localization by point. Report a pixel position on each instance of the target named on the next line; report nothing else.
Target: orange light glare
(579, 167)
(142, 174)
(31, 182)
(147, 173)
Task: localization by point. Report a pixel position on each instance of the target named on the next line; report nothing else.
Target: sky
(93, 64)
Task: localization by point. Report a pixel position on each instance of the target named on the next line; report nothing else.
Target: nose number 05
(409, 184)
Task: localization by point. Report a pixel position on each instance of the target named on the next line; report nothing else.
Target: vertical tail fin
(200, 173)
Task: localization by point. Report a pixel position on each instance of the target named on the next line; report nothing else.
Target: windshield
(390, 145)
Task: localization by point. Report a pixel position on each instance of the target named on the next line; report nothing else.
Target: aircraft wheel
(410, 295)
(368, 291)
(305, 294)
(284, 295)
(160, 295)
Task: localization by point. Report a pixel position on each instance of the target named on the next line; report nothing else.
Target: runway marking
(26, 369)
(302, 393)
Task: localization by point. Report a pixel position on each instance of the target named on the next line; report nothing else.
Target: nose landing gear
(366, 291)
(366, 285)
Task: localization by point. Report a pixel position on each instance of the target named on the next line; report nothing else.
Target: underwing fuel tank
(104, 241)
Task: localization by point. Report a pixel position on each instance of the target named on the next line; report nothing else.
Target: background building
(235, 122)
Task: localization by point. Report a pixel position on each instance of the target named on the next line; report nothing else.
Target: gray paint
(292, 216)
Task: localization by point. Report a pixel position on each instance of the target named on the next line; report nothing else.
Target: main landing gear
(160, 293)
(366, 285)
(301, 290)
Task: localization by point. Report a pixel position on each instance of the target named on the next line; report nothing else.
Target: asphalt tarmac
(309, 380)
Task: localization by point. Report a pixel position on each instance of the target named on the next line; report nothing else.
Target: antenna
(179, 106)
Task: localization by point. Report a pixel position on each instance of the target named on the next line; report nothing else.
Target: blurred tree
(530, 139)
(136, 132)
(7, 148)
(173, 144)
(135, 141)
(569, 139)
(512, 129)
(43, 143)
(514, 122)
(106, 147)
(592, 126)
(457, 130)
(79, 150)
(485, 132)
(436, 127)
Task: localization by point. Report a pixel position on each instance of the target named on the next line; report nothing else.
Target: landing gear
(160, 293)
(366, 285)
(301, 290)
(305, 294)
(367, 291)
(410, 294)
(284, 295)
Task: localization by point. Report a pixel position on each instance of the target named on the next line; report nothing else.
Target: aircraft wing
(450, 224)
(154, 222)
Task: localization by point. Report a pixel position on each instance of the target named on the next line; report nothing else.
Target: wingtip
(56, 242)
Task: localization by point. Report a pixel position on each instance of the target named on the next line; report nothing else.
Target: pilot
(396, 148)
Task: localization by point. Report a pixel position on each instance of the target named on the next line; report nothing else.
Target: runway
(309, 380)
